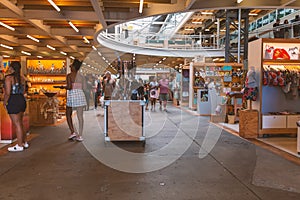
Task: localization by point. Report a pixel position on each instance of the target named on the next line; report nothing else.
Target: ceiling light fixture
(50, 47)
(73, 26)
(86, 40)
(189, 29)
(40, 56)
(99, 53)
(195, 22)
(72, 57)
(6, 56)
(7, 26)
(239, 1)
(94, 48)
(207, 29)
(26, 53)
(5, 46)
(64, 53)
(54, 5)
(32, 38)
(253, 14)
(141, 6)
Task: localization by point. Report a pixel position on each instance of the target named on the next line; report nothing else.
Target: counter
(124, 120)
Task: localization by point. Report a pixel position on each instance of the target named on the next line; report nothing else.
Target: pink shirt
(163, 86)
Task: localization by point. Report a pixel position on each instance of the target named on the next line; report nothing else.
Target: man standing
(163, 91)
(108, 86)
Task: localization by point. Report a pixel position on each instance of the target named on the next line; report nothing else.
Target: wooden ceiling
(37, 18)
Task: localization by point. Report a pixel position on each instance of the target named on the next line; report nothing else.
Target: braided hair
(16, 65)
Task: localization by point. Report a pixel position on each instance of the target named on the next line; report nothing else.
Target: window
(259, 23)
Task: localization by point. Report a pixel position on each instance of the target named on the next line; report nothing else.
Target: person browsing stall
(109, 85)
(15, 103)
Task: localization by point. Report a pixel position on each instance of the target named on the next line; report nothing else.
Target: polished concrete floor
(184, 158)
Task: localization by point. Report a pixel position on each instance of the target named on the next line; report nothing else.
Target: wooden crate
(124, 121)
(248, 124)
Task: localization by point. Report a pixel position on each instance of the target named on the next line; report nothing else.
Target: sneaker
(79, 139)
(72, 136)
(26, 145)
(15, 148)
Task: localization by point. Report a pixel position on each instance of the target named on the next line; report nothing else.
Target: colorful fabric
(250, 93)
(76, 98)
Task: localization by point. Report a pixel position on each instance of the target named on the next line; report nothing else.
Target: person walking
(75, 99)
(15, 103)
(153, 85)
(163, 91)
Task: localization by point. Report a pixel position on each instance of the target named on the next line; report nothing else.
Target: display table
(8, 132)
(124, 120)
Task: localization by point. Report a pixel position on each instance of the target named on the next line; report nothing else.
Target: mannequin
(250, 91)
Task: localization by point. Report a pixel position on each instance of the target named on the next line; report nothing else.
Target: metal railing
(184, 42)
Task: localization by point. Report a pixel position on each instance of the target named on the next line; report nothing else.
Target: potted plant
(231, 117)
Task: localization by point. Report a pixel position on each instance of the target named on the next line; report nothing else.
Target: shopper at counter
(75, 99)
(15, 103)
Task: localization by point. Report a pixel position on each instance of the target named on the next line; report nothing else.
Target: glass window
(252, 26)
(281, 13)
(259, 23)
(272, 17)
(288, 11)
(265, 20)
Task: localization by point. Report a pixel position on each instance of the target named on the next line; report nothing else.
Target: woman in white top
(153, 85)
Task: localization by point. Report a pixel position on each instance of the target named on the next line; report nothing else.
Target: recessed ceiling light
(6, 56)
(73, 26)
(94, 48)
(50, 47)
(40, 56)
(54, 5)
(253, 14)
(32, 38)
(26, 53)
(195, 22)
(86, 40)
(141, 6)
(64, 53)
(5, 46)
(72, 57)
(7, 26)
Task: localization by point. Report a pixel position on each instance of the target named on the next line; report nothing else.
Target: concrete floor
(185, 158)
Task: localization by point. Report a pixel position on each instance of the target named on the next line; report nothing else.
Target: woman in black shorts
(15, 103)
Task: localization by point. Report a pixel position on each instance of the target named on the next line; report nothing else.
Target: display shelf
(47, 74)
(220, 74)
(272, 95)
(52, 83)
